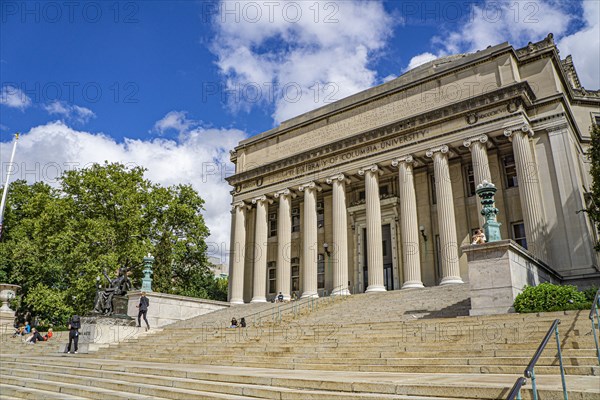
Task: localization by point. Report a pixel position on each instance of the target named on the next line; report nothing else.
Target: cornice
(517, 92)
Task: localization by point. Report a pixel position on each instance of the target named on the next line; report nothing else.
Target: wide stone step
(9, 392)
(446, 385)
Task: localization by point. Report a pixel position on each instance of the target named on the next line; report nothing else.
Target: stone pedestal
(499, 271)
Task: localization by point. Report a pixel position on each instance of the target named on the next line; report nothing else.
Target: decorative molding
(483, 139)
(443, 149)
(543, 44)
(310, 186)
(524, 128)
(371, 168)
(240, 204)
(557, 127)
(405, 159)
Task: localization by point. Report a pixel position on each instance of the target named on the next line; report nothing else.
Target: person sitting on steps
(234, 323)
(35, 336)
(478, 237)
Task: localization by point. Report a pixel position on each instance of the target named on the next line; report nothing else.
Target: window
(320, 214)
(295, 220)
(321, 271)
(510, 171)
(384, 191)
(433, 194)
(295, 263)
(272, 224)
(470, 180)
(518, 230)
(271, 268)
(361, 195)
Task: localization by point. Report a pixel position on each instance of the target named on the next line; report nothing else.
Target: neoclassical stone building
(377, 191)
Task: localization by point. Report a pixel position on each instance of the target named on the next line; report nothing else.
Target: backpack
(75, 322)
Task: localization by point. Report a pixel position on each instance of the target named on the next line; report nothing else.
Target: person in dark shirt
(143, 306)
(280, 297)
(242, 322)
(74, 326)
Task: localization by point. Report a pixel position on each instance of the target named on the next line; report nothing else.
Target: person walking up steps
(143, 306)
(74, 326)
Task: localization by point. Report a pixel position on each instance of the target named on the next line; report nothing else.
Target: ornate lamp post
(147, 280)
(486, 191)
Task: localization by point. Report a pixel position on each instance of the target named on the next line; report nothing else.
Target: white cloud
(14, 97)
(584, 46)
(299, 57)
(174, 120)
(420, 60)
(520, 22)
(199, 157)
(80, 115)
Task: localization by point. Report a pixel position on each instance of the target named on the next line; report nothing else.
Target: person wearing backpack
(74, 326)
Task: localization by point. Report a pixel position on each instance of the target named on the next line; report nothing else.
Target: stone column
(238, 253)
(446, 218)
(529, 190)
(408, 223)
(309, 242)
(481, 165)
(340, 235)
(284, 242)
(259, 288)
(374, 235)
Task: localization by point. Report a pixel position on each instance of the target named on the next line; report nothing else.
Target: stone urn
(7, 293)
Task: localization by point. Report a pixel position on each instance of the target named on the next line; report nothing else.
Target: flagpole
(5, 192)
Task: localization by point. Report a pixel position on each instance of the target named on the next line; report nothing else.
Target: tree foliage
(56, 241)
(594, 157)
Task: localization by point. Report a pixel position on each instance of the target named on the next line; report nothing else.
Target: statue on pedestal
(103, 304)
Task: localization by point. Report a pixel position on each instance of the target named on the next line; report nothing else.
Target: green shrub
(590, 293)
(549, 297)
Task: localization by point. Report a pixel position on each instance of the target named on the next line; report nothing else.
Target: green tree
(57, 241)
(594, 157)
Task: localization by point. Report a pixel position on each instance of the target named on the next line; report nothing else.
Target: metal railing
(309, 304)
(594, 312)
(515, 392)
(530, 370)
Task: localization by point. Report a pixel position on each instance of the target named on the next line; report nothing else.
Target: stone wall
(498, 272)
(165, 309)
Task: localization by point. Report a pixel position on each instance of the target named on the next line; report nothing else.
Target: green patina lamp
(146, 280)
(486, 191)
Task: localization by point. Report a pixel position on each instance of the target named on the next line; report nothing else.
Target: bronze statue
(103, 304)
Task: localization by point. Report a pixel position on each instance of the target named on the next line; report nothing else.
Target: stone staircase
(412, 344)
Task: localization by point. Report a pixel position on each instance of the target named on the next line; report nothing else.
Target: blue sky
(173, 85)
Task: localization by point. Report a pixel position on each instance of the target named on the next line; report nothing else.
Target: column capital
(309, 186)
(523, 128)
(483, 139)
(404, 159)
(339, 177)
(284, 193)
(443, 149)
(261, 199)
(241, 205)
(371, 168)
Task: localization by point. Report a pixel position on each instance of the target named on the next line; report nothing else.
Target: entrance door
(388, 270)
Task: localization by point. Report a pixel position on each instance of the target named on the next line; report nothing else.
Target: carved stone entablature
(309, 186)
(547, 42)
(443, 149)
(371, 168)
(557, 127)
(520, 90)
(524, 128)
(594, 94)
(479, 138)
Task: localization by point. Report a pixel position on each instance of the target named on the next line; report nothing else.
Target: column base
(309, 294)
(236, 301)
(451, 280)
(258, 300)
(340, 292)
(375, 288)
(412, 284)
